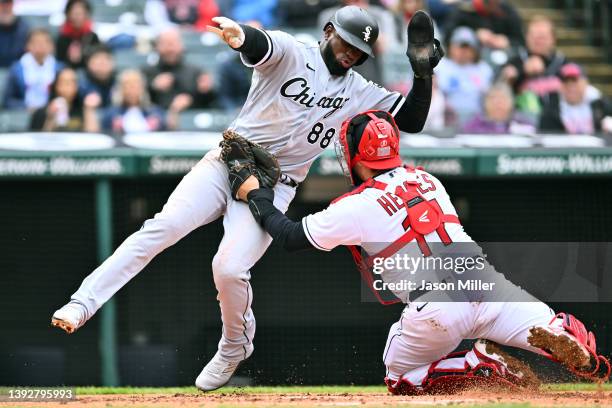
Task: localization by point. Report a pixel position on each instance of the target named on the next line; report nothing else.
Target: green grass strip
(324, 389)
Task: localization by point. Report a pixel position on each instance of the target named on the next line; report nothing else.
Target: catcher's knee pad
(567, 341)
(442, 378)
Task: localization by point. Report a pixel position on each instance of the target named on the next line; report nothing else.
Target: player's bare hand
(228, 30)
(249, 185)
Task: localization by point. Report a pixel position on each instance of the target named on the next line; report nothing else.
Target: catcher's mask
(372, 138)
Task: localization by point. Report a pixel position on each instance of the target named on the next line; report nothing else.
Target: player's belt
(415, 294)
(285, 179)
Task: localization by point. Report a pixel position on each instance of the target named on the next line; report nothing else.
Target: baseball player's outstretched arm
(251, 42)
(412, 115)
(289, 234)
(424, 53)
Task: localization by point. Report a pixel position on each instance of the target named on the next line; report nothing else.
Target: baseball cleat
(507, 366)
(424, 51)
(70, 317)
(216, 373)
(560, 345)
(567, 341)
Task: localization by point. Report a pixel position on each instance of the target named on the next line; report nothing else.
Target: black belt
(415, 294)
(285, 179)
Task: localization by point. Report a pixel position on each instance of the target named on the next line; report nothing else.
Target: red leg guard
(450, 381)
(483, 376)
(403, 387)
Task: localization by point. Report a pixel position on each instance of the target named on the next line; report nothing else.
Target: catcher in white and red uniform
(400, 205)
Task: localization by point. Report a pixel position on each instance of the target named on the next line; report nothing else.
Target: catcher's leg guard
(509, 367)
(567, 341)
(480, 367)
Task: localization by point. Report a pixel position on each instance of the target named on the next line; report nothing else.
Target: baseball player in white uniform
(299, 95)
(395, 206)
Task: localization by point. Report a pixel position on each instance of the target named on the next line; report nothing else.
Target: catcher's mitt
(245, 158)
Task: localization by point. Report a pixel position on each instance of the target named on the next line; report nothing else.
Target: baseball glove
(245, 158)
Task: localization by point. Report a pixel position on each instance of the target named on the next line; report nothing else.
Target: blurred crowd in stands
(500, 75)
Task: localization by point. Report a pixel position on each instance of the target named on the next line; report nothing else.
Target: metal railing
(595, 20)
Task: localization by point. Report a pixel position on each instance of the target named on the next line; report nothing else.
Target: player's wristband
(261, 203)
(255, 45)
(288, 234)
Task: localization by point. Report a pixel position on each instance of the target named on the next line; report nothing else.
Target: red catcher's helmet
(371, 138)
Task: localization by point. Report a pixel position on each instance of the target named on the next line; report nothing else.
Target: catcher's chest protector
(423, 217)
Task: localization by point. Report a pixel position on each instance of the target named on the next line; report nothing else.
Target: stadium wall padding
(312, 327)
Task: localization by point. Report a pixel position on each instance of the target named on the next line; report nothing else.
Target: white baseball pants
(426, 332)
(202, 196)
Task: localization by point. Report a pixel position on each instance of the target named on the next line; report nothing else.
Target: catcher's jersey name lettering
(298, 90)
(390, 203)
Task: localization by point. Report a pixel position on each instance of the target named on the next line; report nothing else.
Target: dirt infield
(239, 399)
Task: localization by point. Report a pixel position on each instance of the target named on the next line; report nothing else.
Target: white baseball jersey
(373, 219)
(295, 107)
(375, 216)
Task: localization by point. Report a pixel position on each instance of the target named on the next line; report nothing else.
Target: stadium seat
(103, 12)
(3, 76)
(192, 40)
(396, 68)
(38, 21)
(14, 121)
(210, 120)
(130, 59)
(207, 58)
